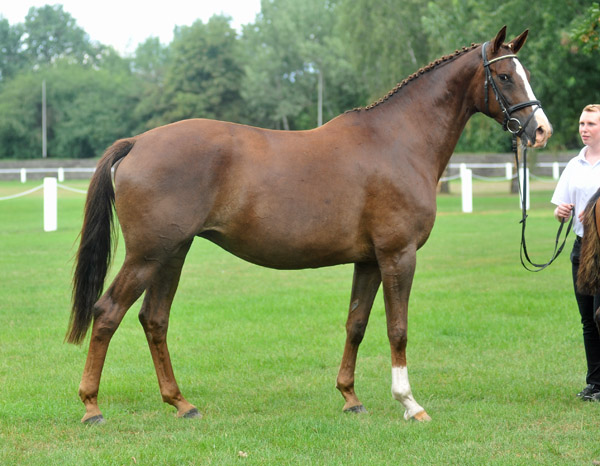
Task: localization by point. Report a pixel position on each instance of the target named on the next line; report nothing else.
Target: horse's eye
(503, 77)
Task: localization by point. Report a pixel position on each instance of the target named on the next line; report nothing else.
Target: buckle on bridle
(513, 126)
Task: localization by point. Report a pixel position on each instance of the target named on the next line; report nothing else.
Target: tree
(297, 74)
(385, 40)
(149, 65)
(20, 102)
(203, 73)
(50, 34)
(10, 44)
(87, 110)
(274, 71)
(585, 33)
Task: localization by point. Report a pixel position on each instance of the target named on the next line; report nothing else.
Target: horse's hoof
(356, 409)
(94, 420)
(192, 413)
(421, 416)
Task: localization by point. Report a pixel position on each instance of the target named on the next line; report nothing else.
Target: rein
(514, 126)
(527, 263)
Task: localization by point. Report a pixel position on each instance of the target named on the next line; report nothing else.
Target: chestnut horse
(588, 276)
(360, 189)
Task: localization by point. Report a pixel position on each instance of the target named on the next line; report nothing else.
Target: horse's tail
(588, 276)
(95, 250)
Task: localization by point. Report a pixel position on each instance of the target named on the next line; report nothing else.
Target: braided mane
(412, 77)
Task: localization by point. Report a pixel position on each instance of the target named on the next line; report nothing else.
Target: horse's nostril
(542, 133)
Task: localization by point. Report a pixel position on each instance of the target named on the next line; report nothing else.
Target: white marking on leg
(401, 391)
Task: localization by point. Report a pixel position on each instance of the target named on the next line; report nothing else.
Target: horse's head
(507, 95)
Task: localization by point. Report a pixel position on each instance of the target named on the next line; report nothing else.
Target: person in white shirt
(577, 184)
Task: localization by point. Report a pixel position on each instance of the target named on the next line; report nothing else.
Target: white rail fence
(465, 174)
(50, 187)
(60, 171)
(466, 182)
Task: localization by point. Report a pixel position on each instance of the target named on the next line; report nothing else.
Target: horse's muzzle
(542, 133)
(538, 130)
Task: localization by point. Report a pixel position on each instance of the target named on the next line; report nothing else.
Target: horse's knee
(356, 331)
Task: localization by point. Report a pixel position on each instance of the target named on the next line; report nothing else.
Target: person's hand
(563, 211)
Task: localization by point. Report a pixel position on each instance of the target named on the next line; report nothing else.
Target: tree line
(298, 65)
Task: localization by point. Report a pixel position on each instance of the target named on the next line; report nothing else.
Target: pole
(466, 181)
(50, 204)
(44, 145)
(524, 179)
(320, 100)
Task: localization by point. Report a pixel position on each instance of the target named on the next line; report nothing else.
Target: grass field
(495, 354)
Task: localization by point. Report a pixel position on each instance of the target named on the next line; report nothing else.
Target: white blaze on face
(540, 116)
(401, 391)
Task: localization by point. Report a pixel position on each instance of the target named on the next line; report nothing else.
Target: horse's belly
(290, 250)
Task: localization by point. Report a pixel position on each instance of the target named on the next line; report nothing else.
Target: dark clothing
(587, 307)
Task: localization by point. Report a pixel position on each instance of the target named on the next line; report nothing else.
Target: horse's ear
(499, 40)
(517, 43)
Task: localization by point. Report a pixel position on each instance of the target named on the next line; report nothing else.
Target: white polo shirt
(577, 184)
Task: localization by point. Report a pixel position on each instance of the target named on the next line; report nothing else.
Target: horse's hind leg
(126, 288)
(154, 317)
(366, 282)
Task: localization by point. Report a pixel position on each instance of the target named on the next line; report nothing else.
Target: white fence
(465, 173)
(50, 187)
(508, 170)
(60, 171)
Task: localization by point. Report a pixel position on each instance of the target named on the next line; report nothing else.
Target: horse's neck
(436, 107)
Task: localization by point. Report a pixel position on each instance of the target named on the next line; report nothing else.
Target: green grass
(495, 355)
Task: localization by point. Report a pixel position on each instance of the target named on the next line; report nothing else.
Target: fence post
(466, 183)
(50, 204)
(508, 170)
(23, 175)
(61, 175)
(555, 171)
(524, 172)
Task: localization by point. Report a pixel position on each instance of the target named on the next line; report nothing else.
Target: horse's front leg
(364, 288)
(397, 271)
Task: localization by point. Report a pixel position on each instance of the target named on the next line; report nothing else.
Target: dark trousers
(587, 307)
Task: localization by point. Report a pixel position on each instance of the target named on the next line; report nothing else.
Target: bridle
(513, 125)
(510, 124)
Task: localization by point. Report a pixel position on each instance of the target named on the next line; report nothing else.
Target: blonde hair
(592, 108)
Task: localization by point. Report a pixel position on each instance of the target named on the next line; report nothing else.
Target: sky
(126, 23)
